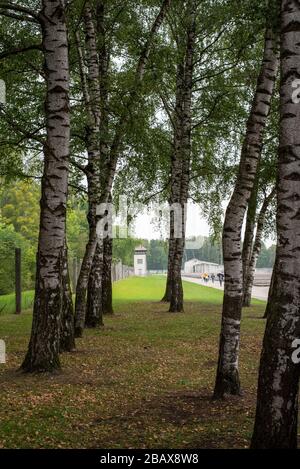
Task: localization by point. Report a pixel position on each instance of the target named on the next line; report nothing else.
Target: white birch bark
(278, 385)
(44, 347)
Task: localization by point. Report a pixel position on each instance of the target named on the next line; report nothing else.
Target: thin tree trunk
(249, 233)
(44, 346)
(106, 277)
(176, 174)
(101, 280)
(167, 295)
(180, 173)
(82, 283)
(227, 379)
(99, 300)
(94, 298)
(176, 302)
(67, 337)
(278, 384)
(256, 250)
(91, 90)
(107, 306)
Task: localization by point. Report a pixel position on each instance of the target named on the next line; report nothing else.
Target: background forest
(19, 221)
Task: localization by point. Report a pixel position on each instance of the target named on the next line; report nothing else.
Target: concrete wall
(194, 266)
(118, 271)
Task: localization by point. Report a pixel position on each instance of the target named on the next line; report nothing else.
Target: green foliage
(123, 249)
(9, 240)
(19, 205)
(19, 227)
(267, 257)
(208, 250)
(157, 256)
(77, 228)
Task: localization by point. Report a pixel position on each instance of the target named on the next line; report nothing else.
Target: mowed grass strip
(152, 289)
(145, 380)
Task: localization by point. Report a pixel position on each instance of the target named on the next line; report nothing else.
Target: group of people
(207, 277)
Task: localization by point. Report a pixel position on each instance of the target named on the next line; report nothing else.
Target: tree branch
(20, 50)
(78, 166)
(28, 15)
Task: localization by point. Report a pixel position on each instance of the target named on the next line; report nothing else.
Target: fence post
(18, 285)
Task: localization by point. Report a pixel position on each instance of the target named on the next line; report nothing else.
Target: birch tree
(92, 98)
(194, 114)
(181, 157)
(278, 384)
(265, 179)
(227, 379)
(44, 346)
(32, 129)
(104, 173)
(250, 230)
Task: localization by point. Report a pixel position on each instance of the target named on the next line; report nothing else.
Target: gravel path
(260, 293)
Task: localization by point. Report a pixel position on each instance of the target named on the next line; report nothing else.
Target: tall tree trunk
(102, 172)
(107, 306)
(176, 171)
(91, 91)
(227, 379)
(180, 169)
(176, 174)
(278, 384)
(44, 346)
(106, 274)
(256, 249)
(94, 298)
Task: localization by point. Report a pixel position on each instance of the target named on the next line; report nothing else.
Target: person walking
(221, 278)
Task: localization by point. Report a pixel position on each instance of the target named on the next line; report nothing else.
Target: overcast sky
(196, 225)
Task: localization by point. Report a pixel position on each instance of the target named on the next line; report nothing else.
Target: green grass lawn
(137, 289)
(144, 380)
(8, 302)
